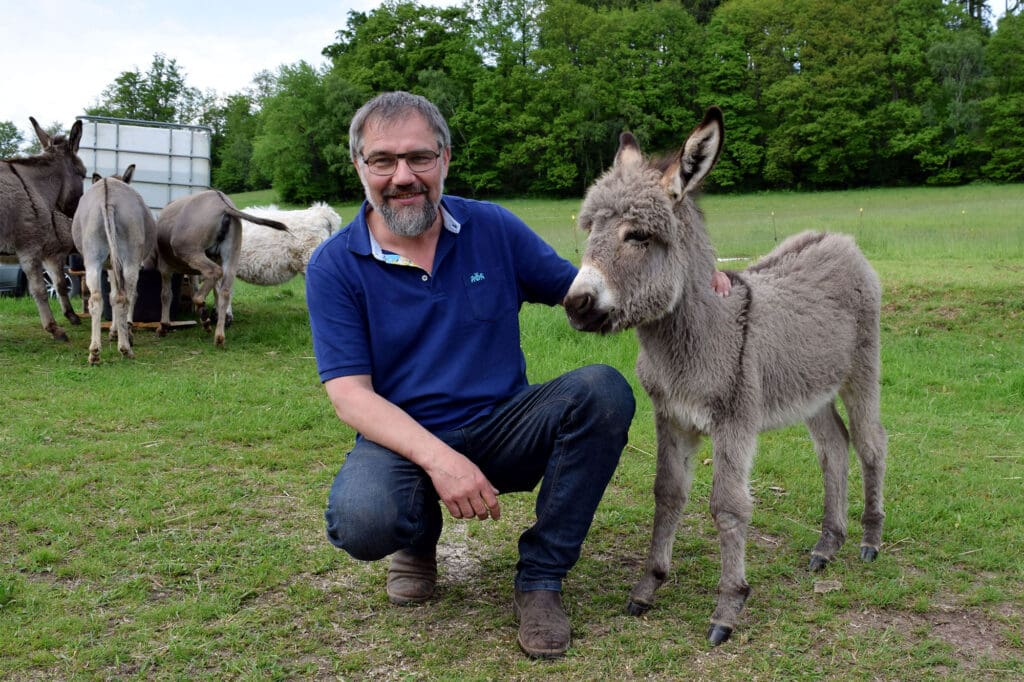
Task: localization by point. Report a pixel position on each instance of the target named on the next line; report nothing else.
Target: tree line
(817, 94)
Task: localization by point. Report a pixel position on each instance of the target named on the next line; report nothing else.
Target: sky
(58, 56)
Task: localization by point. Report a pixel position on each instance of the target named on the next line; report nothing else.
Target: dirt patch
(455, 555)
(972, 633)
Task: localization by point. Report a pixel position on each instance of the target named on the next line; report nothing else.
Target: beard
(408, 221)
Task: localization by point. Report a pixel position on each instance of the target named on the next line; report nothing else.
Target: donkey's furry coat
(38, 196)
(113, 227)
(799, 328)
(201, 234)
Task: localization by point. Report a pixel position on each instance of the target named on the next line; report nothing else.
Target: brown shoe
(411, 577)
(543, 626)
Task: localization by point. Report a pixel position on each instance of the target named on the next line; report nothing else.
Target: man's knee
(608, 394)
(363, 528)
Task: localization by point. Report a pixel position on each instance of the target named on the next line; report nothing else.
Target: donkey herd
(799, 329)
(46, 214)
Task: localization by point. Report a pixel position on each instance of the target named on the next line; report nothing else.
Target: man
(414, 308)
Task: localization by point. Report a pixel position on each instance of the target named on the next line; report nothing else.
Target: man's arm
(461, 485)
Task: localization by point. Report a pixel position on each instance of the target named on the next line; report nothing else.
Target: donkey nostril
(579, 303)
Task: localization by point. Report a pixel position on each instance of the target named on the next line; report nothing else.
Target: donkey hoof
(818, 563)
(717, 634)
(635, 608)
(868, 553)
(73, 318)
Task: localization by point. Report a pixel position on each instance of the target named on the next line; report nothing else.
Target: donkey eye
(636, 237)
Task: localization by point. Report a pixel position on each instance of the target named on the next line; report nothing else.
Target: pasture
(161, 518)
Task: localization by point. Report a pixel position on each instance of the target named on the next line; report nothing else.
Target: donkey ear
(44, 138)
(75, 136)
(699, 154)
(126, 177)
(629, 151)
(96, 177)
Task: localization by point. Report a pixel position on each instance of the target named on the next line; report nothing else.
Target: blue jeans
(566, 434)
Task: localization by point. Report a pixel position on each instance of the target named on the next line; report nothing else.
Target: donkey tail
(234, 212)
(109, 223)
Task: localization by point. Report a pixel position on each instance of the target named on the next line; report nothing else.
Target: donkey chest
(676, 394)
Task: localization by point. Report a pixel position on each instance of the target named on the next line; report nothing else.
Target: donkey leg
(870, 443)
(37, 288)
(92, 280)
(731, 507)
(132, 283)
(671, 489)
(210, 273)
(126, 300)
(55, 268)
(115, 307)
(165, 303)
(832, 445)
(223, 300)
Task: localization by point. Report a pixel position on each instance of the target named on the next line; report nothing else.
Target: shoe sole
(406, 601)
(543, 654)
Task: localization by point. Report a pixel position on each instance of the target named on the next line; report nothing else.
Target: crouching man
(414, 309)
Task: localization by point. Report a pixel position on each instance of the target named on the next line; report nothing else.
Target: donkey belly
(778, 416)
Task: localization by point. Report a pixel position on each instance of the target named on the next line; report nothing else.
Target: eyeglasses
(418, 162)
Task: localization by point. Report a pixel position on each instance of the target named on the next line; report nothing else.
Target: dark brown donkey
(38, 196)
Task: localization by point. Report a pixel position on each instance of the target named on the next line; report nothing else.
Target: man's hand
(464, 489)
(720, 283)
(460, 484)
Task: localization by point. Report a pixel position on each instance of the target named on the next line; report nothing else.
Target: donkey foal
(800, 328)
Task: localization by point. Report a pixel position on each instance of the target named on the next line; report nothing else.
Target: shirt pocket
(488, 293)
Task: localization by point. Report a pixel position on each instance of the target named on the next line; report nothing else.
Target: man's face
(407, 200)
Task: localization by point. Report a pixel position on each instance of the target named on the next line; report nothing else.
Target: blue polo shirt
(444, 347)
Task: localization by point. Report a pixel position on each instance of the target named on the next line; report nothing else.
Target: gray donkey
(114, 227)
(202, 234)
(38, 196)
(799, 328)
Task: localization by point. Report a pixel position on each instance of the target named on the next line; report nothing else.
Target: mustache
(404, 189)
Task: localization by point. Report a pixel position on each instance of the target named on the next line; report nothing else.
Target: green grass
(162, 518)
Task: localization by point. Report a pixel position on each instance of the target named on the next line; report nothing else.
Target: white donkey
(799, 328)
(113, 227)
(272, 257)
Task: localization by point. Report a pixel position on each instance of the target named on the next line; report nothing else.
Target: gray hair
(390, 106)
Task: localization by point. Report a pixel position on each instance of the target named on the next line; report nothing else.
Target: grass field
(162, 518)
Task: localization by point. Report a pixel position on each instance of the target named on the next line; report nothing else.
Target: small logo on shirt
(476, 277)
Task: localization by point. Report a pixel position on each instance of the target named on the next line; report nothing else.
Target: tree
(953, 114)
(234, 127)
(1003, 110)
(391, 46)
(294, 136)
(159, 95)
(10, 139)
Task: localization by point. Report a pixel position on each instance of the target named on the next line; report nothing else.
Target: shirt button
(425, 278)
